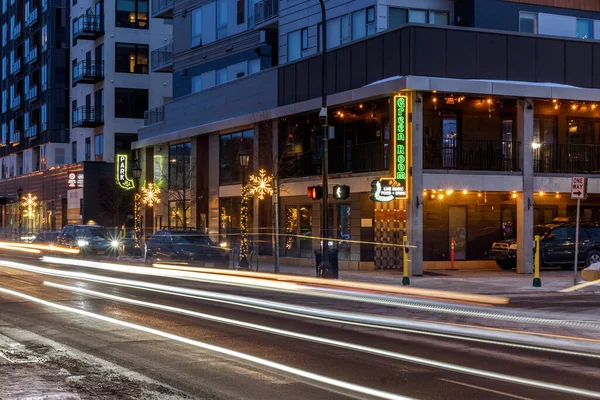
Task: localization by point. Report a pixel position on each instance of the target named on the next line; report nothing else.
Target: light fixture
(244, 159)
(479, 194)
(136, 171)
(554, 101)
(514, 195)
(440, 196)
(449, 192)
(541, 193)
(465, 192)
(557, 195)
(535, 145)
(593, 106)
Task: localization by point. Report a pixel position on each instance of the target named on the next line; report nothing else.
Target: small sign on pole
(578, 192)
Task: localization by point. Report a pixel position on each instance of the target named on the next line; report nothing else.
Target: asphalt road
(206, 372)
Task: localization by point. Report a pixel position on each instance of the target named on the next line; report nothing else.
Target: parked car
(557, 246)
(185, 246)
(89, 239)
(46, 238)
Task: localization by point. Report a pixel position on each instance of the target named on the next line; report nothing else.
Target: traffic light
(341, 192)
(315, 192)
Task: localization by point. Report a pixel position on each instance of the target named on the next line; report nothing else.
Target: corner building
(496, 120)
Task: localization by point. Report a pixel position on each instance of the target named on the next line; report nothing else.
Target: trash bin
(333, 271)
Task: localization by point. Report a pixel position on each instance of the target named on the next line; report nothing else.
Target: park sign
(121, 173)
(400, 147)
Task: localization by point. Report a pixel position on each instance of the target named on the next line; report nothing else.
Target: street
(203, 343)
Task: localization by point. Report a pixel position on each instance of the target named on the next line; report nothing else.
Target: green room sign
(400, 146)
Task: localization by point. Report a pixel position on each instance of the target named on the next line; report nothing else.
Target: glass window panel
(333, 33)
(197, 27)
(439, 18)
(254, 66)
(359, 24)
(585, 29)
(527, 22)
(196, 83)
(305, 216)
(345, 27)
(304, 39)
(291, 230)
(293, 46)
(221, 76)
(397, 17)
(419, 16)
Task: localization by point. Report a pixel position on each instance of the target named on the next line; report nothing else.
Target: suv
(89, 239)
(187, 246)
(557, 246)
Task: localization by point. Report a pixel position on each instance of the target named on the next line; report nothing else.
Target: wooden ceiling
(588, 5)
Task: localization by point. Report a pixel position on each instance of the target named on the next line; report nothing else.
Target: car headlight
(115, 243)
(513, 246)
(223, 244)
(82, 243)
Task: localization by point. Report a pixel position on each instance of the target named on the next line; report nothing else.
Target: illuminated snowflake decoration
(150, 195)
(28, 203)
(260, 184)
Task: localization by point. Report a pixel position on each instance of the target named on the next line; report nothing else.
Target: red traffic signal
(341, 192)
(315, 192)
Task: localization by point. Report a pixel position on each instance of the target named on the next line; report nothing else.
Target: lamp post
(325, 267)
(137, 217)
(244, 161)
(20, 194)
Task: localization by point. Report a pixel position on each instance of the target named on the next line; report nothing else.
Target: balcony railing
(88, 72)
(15, 138)
(265, 10)
(32, 131)
(32, 17)
(567, 158)
(162, 8)
(88, 117)
(44, 5)
(16, 31)
(471, 155)
(162, 59)
(16, 102)
(33, 55)
(32, 93)
(16, 67)
(88, 27)
(367, 157)
(154, 116)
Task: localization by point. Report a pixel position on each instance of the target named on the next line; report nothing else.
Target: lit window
(293, 46)
(528, 22)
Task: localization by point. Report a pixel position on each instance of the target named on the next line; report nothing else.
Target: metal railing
(154, 115)
(16, 67)
(265, 10)
(88, 115)
(162, 57)
(567, 158)
(16, 101)
(32, 93)
(365, 157)
(88, 69)
(471, 155)
(33, 54)
(88, 24)
(16, 31)
(32, 17)
(159, 6)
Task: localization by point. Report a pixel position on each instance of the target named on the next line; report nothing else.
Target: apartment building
(494, 117)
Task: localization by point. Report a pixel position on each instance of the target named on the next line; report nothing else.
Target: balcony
(16, 102)
(162, 9)
(16, 31)
(567, 158)
(162, 59)
(33, 55)
(15, 138)
(32, 18)
(88, 27)
(88, 117)
(32, 94)
(32, 131)
(265, 12)
(154, 116)
(471, 155)
(367, 157)
(88, 72)
(16, 67)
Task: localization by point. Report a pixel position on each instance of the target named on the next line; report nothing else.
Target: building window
(304, 39)
(197, 27)
(294, 46)
(585, 29)
(240, 12)
(132, 58)
(88, 149)
(254, 66)
(197, 83)
(43, 159)
(417, 16)
(343, 231)
(74, 151)
(528, 22)
(43, 121)
(221, 19)
(363, 23)
(229, 155)
(98, 147)
(439, 18)
(221, 75)
(334, 37)
(44, 78)
(229, 220)
(130, 103)
(180, 184)
(298, 223)
(371, 28)
(132, 14)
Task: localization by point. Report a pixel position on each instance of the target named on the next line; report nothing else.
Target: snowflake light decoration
(28, 203)
(260, 184)
(150, 195)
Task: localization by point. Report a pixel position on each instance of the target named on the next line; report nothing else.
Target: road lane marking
(512, 396)
(221, 350)
(337, 343)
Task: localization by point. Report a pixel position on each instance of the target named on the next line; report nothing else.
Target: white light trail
(221, 350)
(337, 343)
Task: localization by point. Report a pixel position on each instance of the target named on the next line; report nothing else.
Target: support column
(255, 229)
(194, 194)
(525, 198)
(276, 198)
(213, 188)
(414, 204)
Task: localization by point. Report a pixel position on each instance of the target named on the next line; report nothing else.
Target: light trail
(21, 249)
(336, 343)
(36, 246)
(527, 340)
(351, 387)
(272, 280)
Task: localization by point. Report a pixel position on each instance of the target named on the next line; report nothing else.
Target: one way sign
(579, 187)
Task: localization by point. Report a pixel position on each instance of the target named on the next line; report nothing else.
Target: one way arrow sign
(579, 187)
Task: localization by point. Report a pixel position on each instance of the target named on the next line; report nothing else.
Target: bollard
(537, 282)
(452, 253)
(405, 278)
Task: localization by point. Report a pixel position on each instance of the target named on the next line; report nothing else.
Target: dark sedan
(187, 247)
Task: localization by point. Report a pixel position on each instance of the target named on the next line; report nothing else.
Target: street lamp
(20, 194)
(244, 161)
(137, 217)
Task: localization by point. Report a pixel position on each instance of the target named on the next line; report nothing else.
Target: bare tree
(182, 191)
(116, 203)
